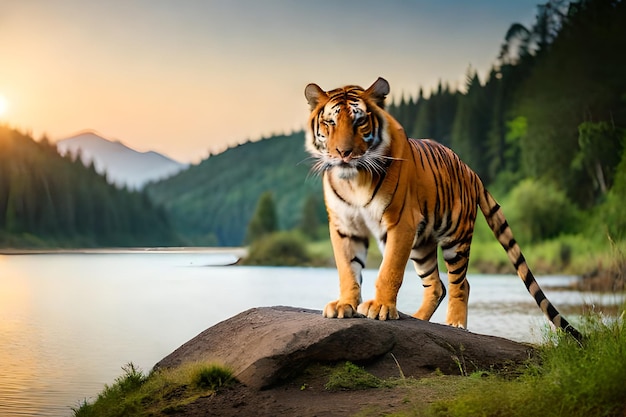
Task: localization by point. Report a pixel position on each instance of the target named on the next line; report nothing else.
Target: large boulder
(264, 346)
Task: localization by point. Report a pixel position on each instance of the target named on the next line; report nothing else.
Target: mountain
(211, 203)
(48, 201)
(123, 165)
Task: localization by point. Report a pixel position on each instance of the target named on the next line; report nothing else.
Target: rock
(265, 346)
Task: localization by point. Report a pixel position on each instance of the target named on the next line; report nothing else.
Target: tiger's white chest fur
(353, 206)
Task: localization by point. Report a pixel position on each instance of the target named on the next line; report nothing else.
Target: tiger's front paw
(337, 309)
(372, 309)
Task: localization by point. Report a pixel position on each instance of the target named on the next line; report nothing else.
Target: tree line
(553, 108)
(545, 128)
(47, 200)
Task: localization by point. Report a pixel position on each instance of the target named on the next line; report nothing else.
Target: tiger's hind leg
(424, 260)
(456, 257)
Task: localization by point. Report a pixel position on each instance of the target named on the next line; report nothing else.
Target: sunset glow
(189, 78)
(4, 105)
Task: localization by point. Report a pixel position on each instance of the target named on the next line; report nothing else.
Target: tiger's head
(347, 128)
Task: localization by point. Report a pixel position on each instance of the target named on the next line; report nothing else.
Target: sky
(187, 78)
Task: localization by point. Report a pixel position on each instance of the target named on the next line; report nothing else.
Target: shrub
(610, 214)
(280, 248)
(538, 211)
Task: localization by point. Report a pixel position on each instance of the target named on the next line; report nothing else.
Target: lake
(69, 322)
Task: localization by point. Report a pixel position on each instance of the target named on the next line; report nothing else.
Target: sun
(4, 105)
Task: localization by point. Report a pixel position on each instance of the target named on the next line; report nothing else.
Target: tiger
(412, 196)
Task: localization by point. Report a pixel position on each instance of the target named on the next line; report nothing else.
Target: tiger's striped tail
(498, 224)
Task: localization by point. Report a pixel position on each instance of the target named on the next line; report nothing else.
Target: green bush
(609, 218)
(280, 248)
(538, 210)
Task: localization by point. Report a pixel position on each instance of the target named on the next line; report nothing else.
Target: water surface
(69, 322)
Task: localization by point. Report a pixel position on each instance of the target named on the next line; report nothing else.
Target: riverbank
(601, 265)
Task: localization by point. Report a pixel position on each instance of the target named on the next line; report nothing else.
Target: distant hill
(123, 165)
(212, 203)
(49, 201)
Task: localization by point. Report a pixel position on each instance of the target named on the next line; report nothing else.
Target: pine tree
(310, 222)
(422, 127)
(264, 219)
(470, 127)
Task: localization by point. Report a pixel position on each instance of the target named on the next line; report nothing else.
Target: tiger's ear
(314, 94)
(378, 91)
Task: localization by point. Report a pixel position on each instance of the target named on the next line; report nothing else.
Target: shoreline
(237, 251)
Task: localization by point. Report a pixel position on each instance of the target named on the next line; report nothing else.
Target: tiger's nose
(344, 153)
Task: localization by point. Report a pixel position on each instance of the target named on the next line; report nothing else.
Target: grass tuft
(162, 392)
(212, 377)
(351, 377)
